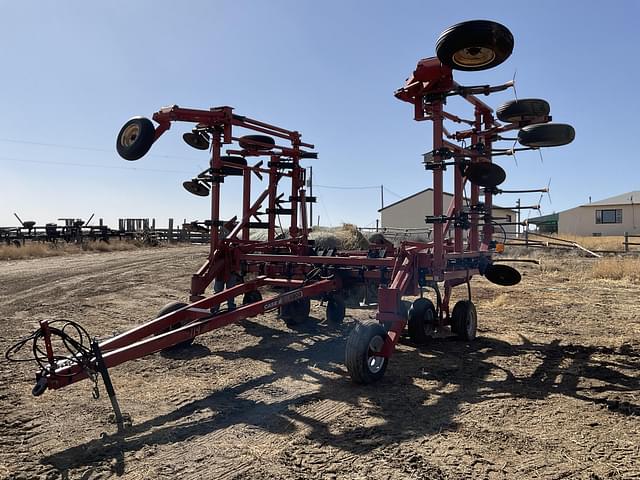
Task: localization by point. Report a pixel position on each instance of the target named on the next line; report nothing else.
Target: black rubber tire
(421, 321)
(464, 320)
(336, 309)
(474, 45)
(135, 138)
(485, 174)
(231, 170)
(248, 142)
(358, 356)
(252, 296)
(546, 135)
(297, 312)
(168, 308)
(522, 110)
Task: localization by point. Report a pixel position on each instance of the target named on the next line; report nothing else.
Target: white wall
(582, 221)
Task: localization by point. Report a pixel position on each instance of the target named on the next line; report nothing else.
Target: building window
(609, 216)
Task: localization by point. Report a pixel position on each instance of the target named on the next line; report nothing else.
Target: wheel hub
(130, 135)
(375, 362)
(474, 57)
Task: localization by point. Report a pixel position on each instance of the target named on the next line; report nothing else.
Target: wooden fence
(627, 242)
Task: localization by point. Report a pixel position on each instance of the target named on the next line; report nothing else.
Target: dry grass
(617, 269)
(346, 237)
(591, 243)
(498, 301)
(40, 250)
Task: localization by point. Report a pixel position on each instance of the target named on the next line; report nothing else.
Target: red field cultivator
(462, 243)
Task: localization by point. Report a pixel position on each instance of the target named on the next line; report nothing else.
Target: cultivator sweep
(462, 245)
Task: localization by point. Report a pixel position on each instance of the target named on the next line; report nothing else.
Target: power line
(78, 147)
(346, 187)
(393, 193)
(92, 165)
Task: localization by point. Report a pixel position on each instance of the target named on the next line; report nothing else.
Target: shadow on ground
(457, 374)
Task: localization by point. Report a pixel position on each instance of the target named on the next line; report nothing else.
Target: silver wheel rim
(474, 57)
(130, 135)
(375, 362)
(471, 325)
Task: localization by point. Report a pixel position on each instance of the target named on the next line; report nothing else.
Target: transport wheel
(522, 110)
(422, 320)
(485, 174)
(297, 312)
(251, 297)
(336, 309)
(546, 135)
(366, 339)
(236, 160)
(168, 308)
(248, 142)
(135, 138)
(464, 320)
(474, 45)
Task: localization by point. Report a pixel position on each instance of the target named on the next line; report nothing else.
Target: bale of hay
(345, 237)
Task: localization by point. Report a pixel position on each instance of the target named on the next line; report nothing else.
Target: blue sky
(75, 71)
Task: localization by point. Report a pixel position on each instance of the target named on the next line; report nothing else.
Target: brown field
(549, 390)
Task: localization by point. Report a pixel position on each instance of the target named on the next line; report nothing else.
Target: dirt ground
(550, 389)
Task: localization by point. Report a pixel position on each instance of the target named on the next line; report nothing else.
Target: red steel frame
(287, 263)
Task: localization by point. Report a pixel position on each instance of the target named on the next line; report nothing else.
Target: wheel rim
(474, 57)
(471, 324)
(130, 135)
(375, 362)
(428, 323)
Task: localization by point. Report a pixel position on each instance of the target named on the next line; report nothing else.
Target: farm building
(410, 212)
(611, 216)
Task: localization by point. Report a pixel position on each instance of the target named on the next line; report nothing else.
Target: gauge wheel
(168, 308)
(135, 138)
(364, 343)
(522, 110)
(546, 135)
(236, 160)
(474, 45)
(464, 320)
(252, 142)
(252, 296)
(297, 312)
(336, 309)
(422, 321)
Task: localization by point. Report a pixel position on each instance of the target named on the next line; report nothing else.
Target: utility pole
(518, 226)
(310, 185)
(381, 197)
